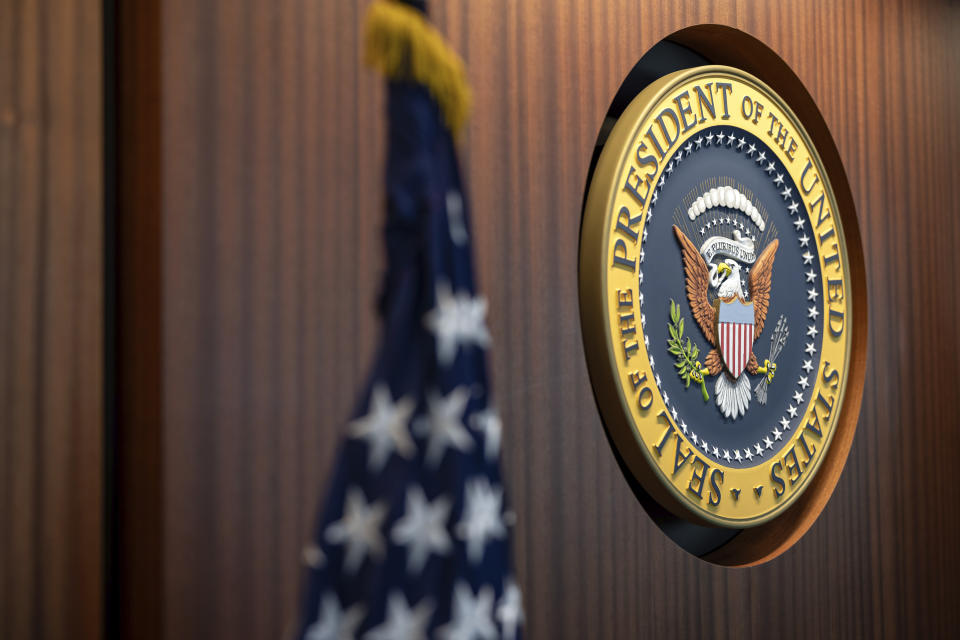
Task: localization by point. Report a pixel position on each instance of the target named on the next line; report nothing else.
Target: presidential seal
(715, 297)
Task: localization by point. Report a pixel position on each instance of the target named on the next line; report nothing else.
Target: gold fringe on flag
(403, 45)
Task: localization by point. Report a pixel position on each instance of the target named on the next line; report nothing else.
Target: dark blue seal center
(717, 158)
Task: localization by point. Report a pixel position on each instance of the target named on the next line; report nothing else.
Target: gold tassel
(403, 45)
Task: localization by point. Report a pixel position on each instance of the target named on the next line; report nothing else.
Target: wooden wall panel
(269, 215)
(51, 345)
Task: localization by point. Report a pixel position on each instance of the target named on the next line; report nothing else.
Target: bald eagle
(733, 394)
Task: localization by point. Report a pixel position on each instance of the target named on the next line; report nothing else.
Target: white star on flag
(457, 320)
(403, 622)
(510, 610)
(444, 424)
(313, 557)
(385, 428)
(422, 529)
(458, 230)
(333, 623)
(472, 615)
(488, 422)
(481, 519)
(358, 529)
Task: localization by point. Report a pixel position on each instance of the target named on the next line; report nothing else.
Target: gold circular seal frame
(657, 452)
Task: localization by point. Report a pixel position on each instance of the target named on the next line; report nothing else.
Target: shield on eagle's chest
(735, 333)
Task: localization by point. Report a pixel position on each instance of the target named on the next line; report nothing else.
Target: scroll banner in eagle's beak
(735, 331)
(741, 250)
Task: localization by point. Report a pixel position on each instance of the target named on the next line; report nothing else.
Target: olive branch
(688, 367)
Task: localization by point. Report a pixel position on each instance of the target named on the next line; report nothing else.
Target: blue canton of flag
(413, 537)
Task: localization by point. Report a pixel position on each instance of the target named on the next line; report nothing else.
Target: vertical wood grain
(268, 164)
(51, 332)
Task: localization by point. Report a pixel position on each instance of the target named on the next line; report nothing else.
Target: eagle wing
(761, 277)
(698, 285)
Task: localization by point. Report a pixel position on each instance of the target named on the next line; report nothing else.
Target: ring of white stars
(760, 448)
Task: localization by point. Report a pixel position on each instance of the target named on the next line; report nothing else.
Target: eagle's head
(725, 277)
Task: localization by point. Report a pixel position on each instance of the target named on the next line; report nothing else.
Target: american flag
(413, 536)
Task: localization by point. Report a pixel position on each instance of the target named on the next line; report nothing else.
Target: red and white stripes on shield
(736, 341)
